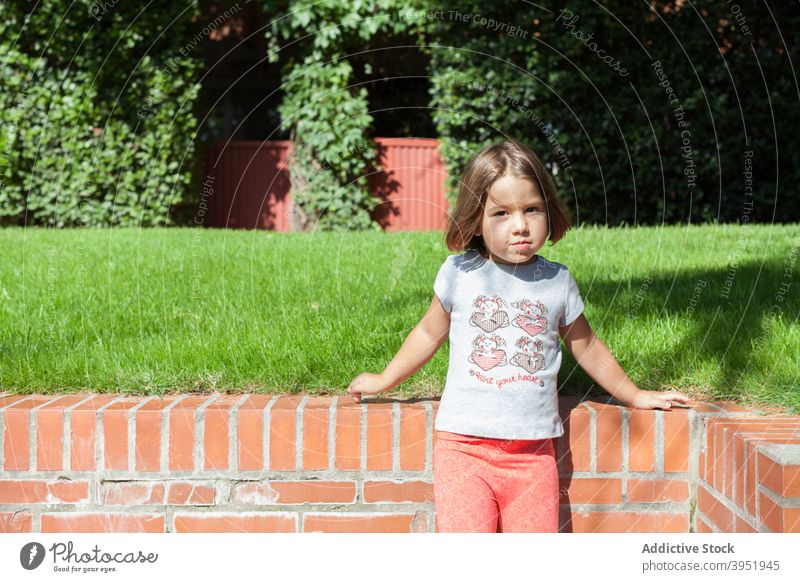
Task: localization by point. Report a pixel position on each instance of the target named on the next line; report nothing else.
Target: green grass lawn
(702, 308)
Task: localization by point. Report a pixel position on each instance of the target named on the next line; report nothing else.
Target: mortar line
(734, 509)
(132, 432)
(66, 435)
(362, 438)
(199, 447)
(233, 435)
(266, 436)
(593, 444)
(626, 440)
(429, 430)
(395, 444)
(778, 499)
(165, 433)
(33, 440)
(332, 417)
(99, 439)
(658, 440)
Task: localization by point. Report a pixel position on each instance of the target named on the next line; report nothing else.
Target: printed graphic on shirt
(487, 354)
(532, 319)
(530, 358)
(489, 317)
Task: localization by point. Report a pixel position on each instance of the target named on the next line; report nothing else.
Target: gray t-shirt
(504, 345)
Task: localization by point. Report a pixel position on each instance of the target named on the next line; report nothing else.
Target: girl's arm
(419, 346)
(594, 357)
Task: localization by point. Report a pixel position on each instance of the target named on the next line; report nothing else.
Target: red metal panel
(251, 185)
(411, 184)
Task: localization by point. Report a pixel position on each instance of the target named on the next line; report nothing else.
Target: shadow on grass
(729, 315)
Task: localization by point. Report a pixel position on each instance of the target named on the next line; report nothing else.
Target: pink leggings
(478, 480)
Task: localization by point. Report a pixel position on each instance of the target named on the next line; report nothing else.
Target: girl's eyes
(533, 208)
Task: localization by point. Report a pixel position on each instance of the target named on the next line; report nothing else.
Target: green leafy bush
(326, 115)
(581, 85)
(97, 104)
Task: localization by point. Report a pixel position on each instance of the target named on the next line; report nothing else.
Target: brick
(147, 443)
(50, 432)
(398, 492)
(731, 473)
(16, 436)
(590, 490)
(720, 444)
(628, 521)
(250, 428)
(217, 432)
(348, 434)
(413, 430)
(714, 510)
(744, 527)
(83, 432)
(294, 492)
(657, 490)
(778, 519)
(608, 423)
(732, 407)
(676, 441)
(191, 493)
(641, 440)
(379, 437)
(115, 434)
(102, 523)
(40, 491)
(702, 526)
(373, 523)
(283, 433)
(704, 407)
(315, 434)
(235, 522)
(67, 491)
(783, 480)
(182, 418)
(748, 482)
(575, 446)
(133, 493)
(8, 400)
(16, 522)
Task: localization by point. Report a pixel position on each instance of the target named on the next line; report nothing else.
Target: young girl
(503, 308)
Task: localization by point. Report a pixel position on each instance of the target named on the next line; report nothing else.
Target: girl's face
(514, 222)
(489, 306)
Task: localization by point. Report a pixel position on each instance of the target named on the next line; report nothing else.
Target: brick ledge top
(98, 400)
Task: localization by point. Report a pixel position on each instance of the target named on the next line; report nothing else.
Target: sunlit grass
(702, 308)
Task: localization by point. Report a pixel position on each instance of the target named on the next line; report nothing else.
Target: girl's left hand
(649, 399)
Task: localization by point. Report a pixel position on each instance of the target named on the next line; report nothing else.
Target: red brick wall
(262, 463)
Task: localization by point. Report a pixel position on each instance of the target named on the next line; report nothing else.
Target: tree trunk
(299, 220)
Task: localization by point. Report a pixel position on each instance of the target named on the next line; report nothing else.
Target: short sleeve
(442, 285)
(573, 303)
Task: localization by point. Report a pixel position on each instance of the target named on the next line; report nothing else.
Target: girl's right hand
(366, 383)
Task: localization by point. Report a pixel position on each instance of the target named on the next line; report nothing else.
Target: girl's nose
(519, 224)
